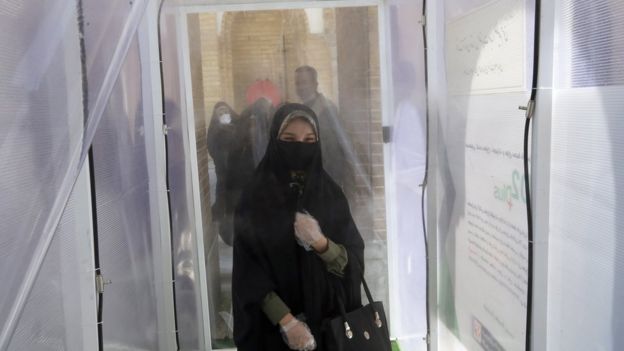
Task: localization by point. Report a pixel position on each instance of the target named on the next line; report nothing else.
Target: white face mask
(225, 118)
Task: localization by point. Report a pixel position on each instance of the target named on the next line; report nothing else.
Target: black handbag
(363, 329)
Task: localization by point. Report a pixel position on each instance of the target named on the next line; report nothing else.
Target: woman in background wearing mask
(296, 246)
(229, 145)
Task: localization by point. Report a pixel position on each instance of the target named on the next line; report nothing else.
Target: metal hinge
(165, 129)
(386, 134)
(423, 21)
(529, 108)
(100, 283)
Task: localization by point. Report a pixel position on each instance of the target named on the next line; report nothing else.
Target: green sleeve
(335, 258)
(274, 308)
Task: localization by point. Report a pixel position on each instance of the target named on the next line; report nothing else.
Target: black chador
(267, 257)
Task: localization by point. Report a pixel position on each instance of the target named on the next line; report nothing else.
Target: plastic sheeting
(44, 147)
(127, 246)
(60, 313)
(236, 49)
(41, 147)
(586, 247)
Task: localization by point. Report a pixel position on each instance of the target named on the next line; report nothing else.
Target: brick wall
(210, 74)
(259, 45)
(376, 136)
(200, 87)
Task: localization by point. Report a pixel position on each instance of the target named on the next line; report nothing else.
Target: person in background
(258, 114)
(339, 158)
(295, 245)
(229, 145)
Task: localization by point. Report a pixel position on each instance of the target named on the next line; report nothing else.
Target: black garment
(258, 115)
(339, 157)
(267, 257)
(229, 145)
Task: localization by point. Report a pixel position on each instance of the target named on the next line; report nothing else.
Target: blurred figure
(258, 116)
(229, 145)
(338, 156)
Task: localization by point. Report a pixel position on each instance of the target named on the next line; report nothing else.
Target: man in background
(338, 155)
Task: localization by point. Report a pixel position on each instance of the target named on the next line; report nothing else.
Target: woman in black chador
(229, 145)
(296, 246)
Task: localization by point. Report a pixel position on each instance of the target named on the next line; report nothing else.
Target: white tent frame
(185, 8)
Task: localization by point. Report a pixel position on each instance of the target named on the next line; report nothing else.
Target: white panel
(586, 253)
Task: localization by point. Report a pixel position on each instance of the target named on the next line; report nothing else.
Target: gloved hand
(297, 335)
(307, 230)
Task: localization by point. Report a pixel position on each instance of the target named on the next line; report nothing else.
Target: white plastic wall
(586, 249)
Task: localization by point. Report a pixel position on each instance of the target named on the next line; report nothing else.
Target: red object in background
(263, 88)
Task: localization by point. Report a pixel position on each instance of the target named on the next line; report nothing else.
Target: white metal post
(385, 59)
(540, 176)
(435, 25)
(156, 167)
(190, 149)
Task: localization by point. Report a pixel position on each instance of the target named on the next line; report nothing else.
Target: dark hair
(308, 69)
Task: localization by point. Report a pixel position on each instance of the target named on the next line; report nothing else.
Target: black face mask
(297, 156)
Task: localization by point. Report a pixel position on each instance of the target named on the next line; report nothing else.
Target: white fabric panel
(586, 251)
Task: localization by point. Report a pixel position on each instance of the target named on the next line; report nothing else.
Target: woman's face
(222, 110)
(298, 130)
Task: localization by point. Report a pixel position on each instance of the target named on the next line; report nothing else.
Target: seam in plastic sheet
(77, 159)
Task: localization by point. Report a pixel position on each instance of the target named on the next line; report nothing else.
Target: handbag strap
(369, 296)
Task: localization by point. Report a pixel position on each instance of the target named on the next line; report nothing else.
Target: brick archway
(261, 45)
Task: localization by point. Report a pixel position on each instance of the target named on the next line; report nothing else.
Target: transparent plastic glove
(307, 230)
(297, 335)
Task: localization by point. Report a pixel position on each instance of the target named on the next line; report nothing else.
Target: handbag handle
(369, 296)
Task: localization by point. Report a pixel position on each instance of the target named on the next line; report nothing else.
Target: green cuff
(332, 252)
(274, 308)
(335, 258)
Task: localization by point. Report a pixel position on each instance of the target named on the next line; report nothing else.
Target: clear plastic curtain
(46, 136)
(60, 313)
(238, 52)
(128, 244)
(586, 246)
(481, 214)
